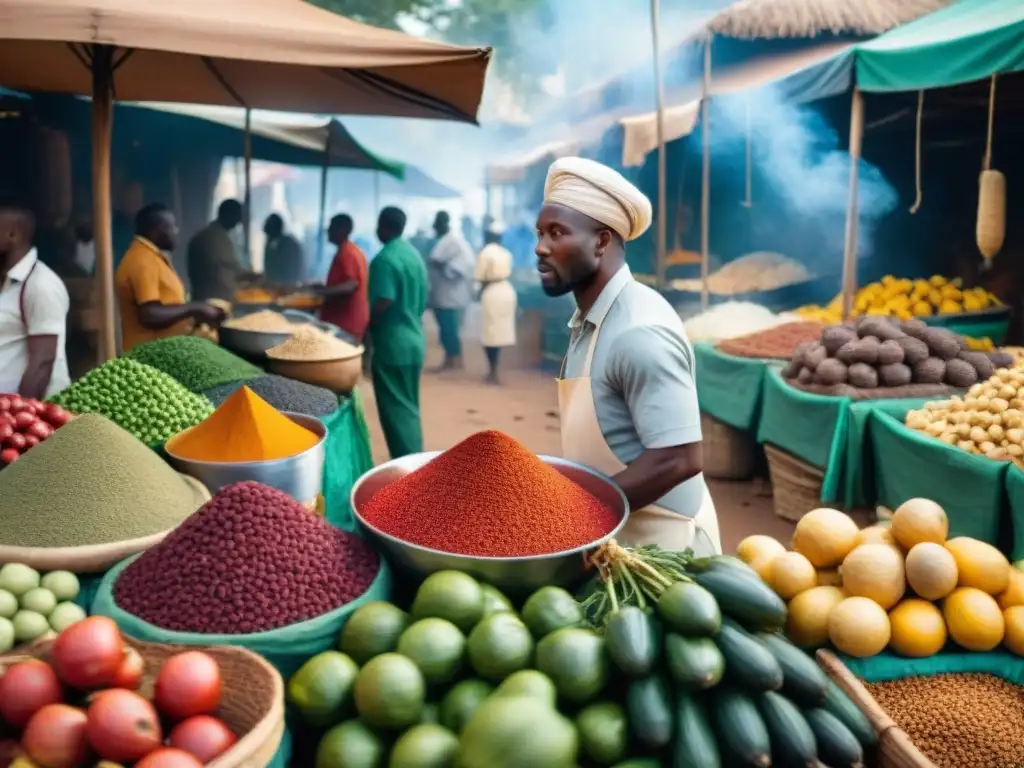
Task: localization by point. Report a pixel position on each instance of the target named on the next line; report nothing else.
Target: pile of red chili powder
(489, 496)
(251, 559)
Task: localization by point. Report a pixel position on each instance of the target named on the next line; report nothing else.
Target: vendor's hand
(209, 315)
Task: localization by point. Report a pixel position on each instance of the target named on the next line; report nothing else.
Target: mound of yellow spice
(244, 428)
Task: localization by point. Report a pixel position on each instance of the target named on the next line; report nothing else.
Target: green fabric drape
(1015, 502)
(887, 666)
(730, 388)
(348, 457)
(810, 427)
(908, 464)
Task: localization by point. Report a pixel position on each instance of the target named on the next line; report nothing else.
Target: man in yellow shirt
(150, 295)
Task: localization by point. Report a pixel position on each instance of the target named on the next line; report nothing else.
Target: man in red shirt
(346, 302)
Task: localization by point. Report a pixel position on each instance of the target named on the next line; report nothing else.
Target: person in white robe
(497, 299)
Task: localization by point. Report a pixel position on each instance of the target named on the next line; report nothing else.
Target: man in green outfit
(398, 299)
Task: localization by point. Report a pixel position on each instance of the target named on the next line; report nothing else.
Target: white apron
(498, 315)
(583, 442)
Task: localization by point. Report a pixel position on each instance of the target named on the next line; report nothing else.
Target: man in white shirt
(450, 266)
(33, 312)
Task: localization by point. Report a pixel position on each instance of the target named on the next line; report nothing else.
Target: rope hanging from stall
(917, 154)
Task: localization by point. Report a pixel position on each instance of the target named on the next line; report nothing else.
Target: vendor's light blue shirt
(642, 376)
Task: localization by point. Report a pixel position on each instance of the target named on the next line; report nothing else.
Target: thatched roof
(766, 19)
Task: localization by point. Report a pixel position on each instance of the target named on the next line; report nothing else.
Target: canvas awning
(970, 40)
(640, 132)
(264, 54)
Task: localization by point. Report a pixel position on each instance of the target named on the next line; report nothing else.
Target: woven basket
(94, 558)
(729, 453)
(895, 750)
(252, 703)
(796, 485)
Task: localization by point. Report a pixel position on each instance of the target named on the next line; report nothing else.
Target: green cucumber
(649, 711)
(695, 745)
(744, 597)
(694, 663)
(690, 610)
(748, 662)
(803, 681)
(640, 762)
(842, 706)
(837, 746)
(603, 732)
(631, 642)
(793, 742)
(742, 734)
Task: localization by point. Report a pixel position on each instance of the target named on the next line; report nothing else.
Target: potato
(800, 353)
(980, 362)
(806, 375)
(894, 375)
(1002, 359)
(847, 352)
(830, 372)
(960, 373)
(914, 328)
(834, 337)
(792, 369)
(929, 371)
(814, 356)
(867, 350)
(914, 350)
(863, 376)
(941, 343)
(890, 352)
(879, 327)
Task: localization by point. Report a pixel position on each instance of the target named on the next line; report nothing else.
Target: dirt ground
(455, 406)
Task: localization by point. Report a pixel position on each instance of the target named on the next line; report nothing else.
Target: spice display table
(908, 464)
(827, 432)
(730, 388)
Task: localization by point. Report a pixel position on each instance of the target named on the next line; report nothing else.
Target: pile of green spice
(142, 400)
(90, 483)
(282, 393)
(197, 363)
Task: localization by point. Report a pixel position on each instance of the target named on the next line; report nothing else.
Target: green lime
(64, 615)
(18, 579)
(350, 745)
(550, 609)
(450, 595)
(499, 645)
(390, 692)
(603, 732)
(8, 604)
(436, 645)
(39, 600)
(29, 626)
(517, 732)
(424, 746)
(461, 702)
(529, 682)
(321, 690)
(63, 584)
(6, 635)
(371, 630)
(576, 661)
(494, 601)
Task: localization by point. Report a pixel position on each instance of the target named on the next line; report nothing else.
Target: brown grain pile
(777, 343)
(959, 720)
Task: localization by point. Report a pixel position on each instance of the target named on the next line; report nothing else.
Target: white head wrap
(599, 192)
(496, 227)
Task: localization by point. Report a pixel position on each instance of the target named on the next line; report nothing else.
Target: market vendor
(284, 263)
(346, 302)
(33, 312)
(627, 393)
(150, 295)
(213, 266)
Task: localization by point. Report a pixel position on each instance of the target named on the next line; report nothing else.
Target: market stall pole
(101, 61)
(659, 94)
(705, 176)
(323, 198)
(850, 246)
(247, 200)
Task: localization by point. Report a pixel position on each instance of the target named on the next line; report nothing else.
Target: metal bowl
(516, 574)
(250, 343)
(300, 476)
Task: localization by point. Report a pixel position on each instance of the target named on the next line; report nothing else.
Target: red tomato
(5, 403)
(204, 736)
(6, 418)
(9, 456)
(123, 726)
(87, 655)
(31, 441)
(24, 419)
(129, 673)
(17, 404)
(16, 441)
(188, 684)
(26, 688)
(39, 430)
(168, 757)
(57, 416)
(55, 737)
